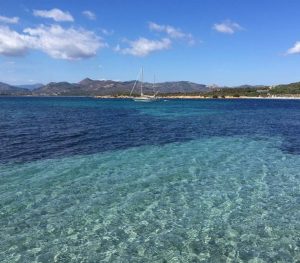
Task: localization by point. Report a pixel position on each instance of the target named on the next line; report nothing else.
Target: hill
(31, 86)
(89, 87)
(6, 90)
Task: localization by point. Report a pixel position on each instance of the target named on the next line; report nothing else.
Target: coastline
(191, 97)
(203, 97)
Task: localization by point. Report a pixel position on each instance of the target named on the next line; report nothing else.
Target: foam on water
(220, 199)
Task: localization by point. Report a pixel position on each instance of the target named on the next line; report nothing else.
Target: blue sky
(225, 42)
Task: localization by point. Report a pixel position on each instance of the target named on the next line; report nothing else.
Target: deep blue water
(38, 128)
(90, 180)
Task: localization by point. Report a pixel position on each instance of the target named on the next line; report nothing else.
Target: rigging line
(136, 80)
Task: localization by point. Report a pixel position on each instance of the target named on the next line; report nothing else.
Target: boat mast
(142, 82)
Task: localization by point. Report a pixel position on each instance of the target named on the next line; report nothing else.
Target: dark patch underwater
(41, 128)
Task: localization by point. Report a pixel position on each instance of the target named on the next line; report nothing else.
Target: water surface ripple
(85, 180)
(38, 128)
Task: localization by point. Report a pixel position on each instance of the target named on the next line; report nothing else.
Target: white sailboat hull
(145, 99)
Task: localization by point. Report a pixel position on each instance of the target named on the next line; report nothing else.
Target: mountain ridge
(30, 86)
(6, 89)
(90, 87)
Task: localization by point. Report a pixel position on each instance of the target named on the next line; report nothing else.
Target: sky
(222, 42)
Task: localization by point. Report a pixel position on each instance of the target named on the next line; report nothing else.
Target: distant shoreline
(202, 97)
(192, 97)
(170, 90)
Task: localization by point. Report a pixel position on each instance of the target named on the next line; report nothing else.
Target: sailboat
(143, 97)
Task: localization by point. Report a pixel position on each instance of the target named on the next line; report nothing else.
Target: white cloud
(169, 30)
(54, 40)
(227, 27)
(56, 14)
(89, 14)
(106, 32)
(117, 48)
(295, 49)
(61, 43)
(12, 43)
(143, 46)
(172, 32)
(9, 20)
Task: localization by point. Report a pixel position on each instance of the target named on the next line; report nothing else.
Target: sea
(114, 180)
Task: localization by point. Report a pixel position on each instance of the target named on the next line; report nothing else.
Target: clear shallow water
(87, 180)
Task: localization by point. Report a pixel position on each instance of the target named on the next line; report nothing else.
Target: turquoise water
(201, 197)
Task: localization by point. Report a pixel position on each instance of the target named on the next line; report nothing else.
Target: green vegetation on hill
(238, 92)
(261, 91)
(293, 88)
(88, 87)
